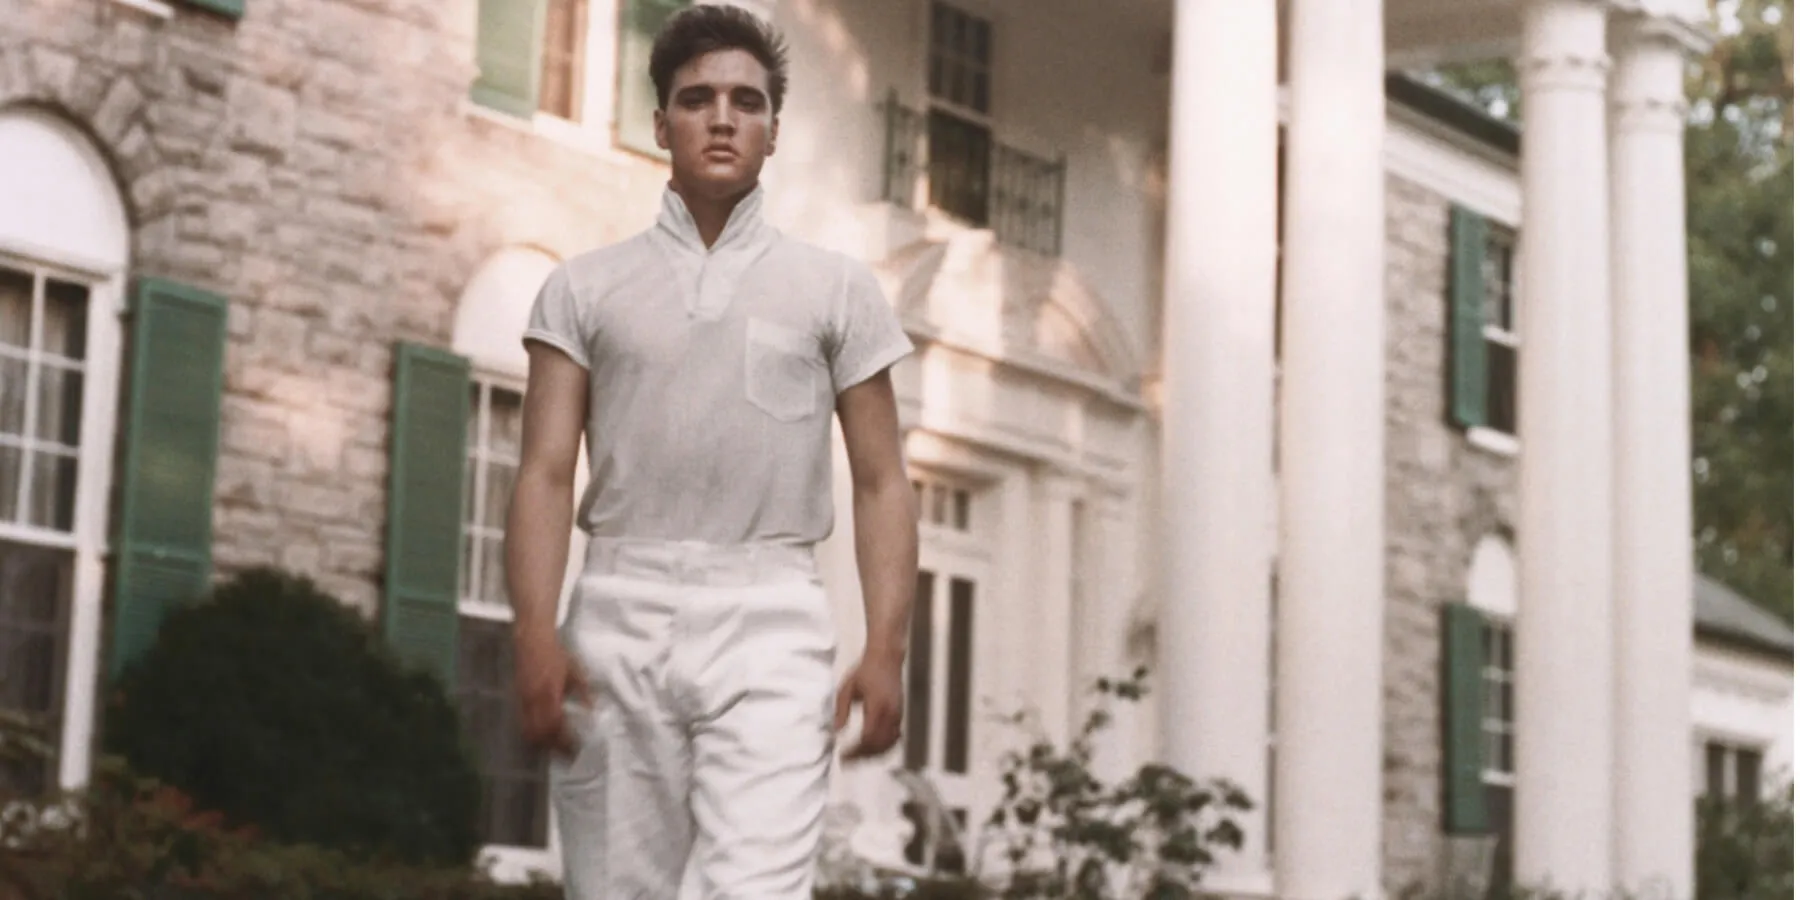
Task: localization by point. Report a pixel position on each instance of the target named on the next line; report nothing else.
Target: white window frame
(93, 487)
(469, 602)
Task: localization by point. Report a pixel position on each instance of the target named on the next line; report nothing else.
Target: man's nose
(721, 116)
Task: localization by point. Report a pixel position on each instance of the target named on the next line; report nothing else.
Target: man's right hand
(543, 674)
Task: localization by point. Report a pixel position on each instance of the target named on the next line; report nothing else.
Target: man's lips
(721, 151)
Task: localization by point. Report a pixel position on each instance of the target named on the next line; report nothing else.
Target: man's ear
(662, 129)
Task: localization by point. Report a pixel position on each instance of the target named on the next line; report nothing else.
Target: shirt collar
(743, 226)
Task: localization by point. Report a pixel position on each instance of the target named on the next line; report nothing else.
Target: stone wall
(1443, 495)
(317, 164)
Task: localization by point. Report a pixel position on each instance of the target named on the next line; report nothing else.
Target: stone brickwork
(317, 164)
(1443, 495)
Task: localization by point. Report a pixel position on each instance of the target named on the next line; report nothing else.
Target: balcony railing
(944, 160)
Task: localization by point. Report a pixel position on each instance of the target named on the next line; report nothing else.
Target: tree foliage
(1740, 191)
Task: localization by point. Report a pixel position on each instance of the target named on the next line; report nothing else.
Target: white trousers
(702, 767)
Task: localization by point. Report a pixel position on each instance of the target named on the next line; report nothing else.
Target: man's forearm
(537, 550)
(887, 558)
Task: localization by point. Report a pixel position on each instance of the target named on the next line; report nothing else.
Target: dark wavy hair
(702, 29)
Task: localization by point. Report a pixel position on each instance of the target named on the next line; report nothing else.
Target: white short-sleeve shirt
(713, 374)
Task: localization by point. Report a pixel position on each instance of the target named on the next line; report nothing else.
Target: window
(1483, 333)
(1500, 331)
(943, 505)
(546, 60)
(43, 364)
(959, 137)
(1497, 739)
(1733, 773)
(515, 798)
(939, 736)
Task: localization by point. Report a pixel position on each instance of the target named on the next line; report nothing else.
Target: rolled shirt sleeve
(556, 318)
(866, 335)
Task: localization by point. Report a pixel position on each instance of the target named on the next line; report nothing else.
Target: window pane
(65, 319)
(962, 655)
(979, 101)
(15, 308)
(12, 396)
(12, 462)
(1749, 775)
(500, 478)
(962, 510)
(937, 75)
(1502, 366)
(917, 718)
(493, 571)
(34, 595)
(506, 423)
(53, 490)
(980, 50)
(59, 405)
(1715, 771)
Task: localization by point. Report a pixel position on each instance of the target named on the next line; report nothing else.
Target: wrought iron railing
(943, 160)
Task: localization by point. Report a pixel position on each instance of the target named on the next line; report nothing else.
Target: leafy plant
(1064, 833)
(280, 708)
(1745, 851)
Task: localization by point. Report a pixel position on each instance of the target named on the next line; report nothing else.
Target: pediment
(1031, 306)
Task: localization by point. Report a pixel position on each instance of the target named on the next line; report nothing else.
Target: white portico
(1604, 619)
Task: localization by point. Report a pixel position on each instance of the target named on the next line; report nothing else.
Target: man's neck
(710, 213)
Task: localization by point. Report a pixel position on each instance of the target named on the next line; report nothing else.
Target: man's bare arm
(887, 557)
(537, 541)
(541, 515)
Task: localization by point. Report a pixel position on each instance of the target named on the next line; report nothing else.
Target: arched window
(490, 320)
(64, 246)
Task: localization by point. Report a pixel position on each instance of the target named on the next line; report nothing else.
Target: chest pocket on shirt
(781, 370)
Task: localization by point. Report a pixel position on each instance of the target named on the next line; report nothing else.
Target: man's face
(720, 124)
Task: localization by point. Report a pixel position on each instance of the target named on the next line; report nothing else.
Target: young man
(690, 694)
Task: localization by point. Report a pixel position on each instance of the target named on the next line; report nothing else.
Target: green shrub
(1745, 852)
(279, 707)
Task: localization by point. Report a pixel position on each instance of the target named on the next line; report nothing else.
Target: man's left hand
(876, 685)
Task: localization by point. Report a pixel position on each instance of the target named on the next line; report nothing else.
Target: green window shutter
(424, 528)
(1465, 799)
(171, 447)
(509, 47)
(1468, 295)
(230, 8)
(635, 118)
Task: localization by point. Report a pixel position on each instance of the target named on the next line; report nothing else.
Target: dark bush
(280, 708)
(1745, 851)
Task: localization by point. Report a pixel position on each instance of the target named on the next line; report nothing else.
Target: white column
(1218, 354)
(1652, 487)
(1563, 795)
(1053, 607)
(1103, 621)
(1328, 695)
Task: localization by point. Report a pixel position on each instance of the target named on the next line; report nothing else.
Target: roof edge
(1454, 112)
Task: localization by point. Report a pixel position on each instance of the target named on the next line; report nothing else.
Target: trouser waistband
(699, 562)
